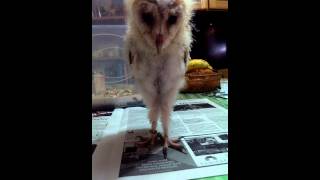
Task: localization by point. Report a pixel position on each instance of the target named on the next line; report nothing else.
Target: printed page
(203, 143)
(201, 131)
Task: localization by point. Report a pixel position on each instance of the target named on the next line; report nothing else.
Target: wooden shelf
(218, 4)
(200, 4)
(210, 4)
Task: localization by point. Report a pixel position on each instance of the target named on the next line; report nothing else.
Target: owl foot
(174, 144)
(150, 141)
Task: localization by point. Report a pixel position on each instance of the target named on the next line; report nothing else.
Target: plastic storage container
(112, 82)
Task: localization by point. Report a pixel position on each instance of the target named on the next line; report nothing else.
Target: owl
(157, 46)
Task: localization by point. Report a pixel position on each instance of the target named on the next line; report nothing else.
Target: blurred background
(111, 79)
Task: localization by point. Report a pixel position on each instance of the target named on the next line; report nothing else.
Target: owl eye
(147, 18)
(172, 19)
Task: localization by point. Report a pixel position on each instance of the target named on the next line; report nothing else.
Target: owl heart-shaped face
(159, 21)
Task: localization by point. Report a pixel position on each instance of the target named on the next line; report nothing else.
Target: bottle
(99, 83)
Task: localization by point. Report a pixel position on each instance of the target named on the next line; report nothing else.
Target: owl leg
(165, 118)
(174, 144)
(153, 117)
(165, 115)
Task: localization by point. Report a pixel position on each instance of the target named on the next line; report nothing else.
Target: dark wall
(210, 36)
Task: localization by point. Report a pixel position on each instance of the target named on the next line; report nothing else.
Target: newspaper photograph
(198, 151)
(207, 150)
(141, 160)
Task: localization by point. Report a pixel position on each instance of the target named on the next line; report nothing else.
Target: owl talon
(150, 141)
(165, 152)
(174, 144)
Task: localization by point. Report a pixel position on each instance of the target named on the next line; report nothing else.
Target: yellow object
(198, 64)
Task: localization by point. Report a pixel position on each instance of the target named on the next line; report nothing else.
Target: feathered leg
(165, 115)
(166, 108)
(153, 117)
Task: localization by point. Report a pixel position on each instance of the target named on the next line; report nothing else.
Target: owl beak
(159, 42)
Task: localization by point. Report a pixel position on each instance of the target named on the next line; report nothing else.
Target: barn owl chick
(158, 43)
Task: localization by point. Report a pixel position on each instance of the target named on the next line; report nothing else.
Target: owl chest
(160, 73)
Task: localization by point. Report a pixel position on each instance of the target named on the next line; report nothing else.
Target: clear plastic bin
(112, 81)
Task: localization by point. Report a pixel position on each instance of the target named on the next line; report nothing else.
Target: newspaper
(99, 124)
(199, 125)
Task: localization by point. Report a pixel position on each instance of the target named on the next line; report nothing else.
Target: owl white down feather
(158, 42)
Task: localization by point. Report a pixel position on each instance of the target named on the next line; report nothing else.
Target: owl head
(158, 22)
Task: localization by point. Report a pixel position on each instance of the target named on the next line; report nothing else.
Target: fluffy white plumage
(158, 42)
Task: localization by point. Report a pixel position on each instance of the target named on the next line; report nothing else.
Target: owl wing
(130, 57)
(129, 51)
(186, 56)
